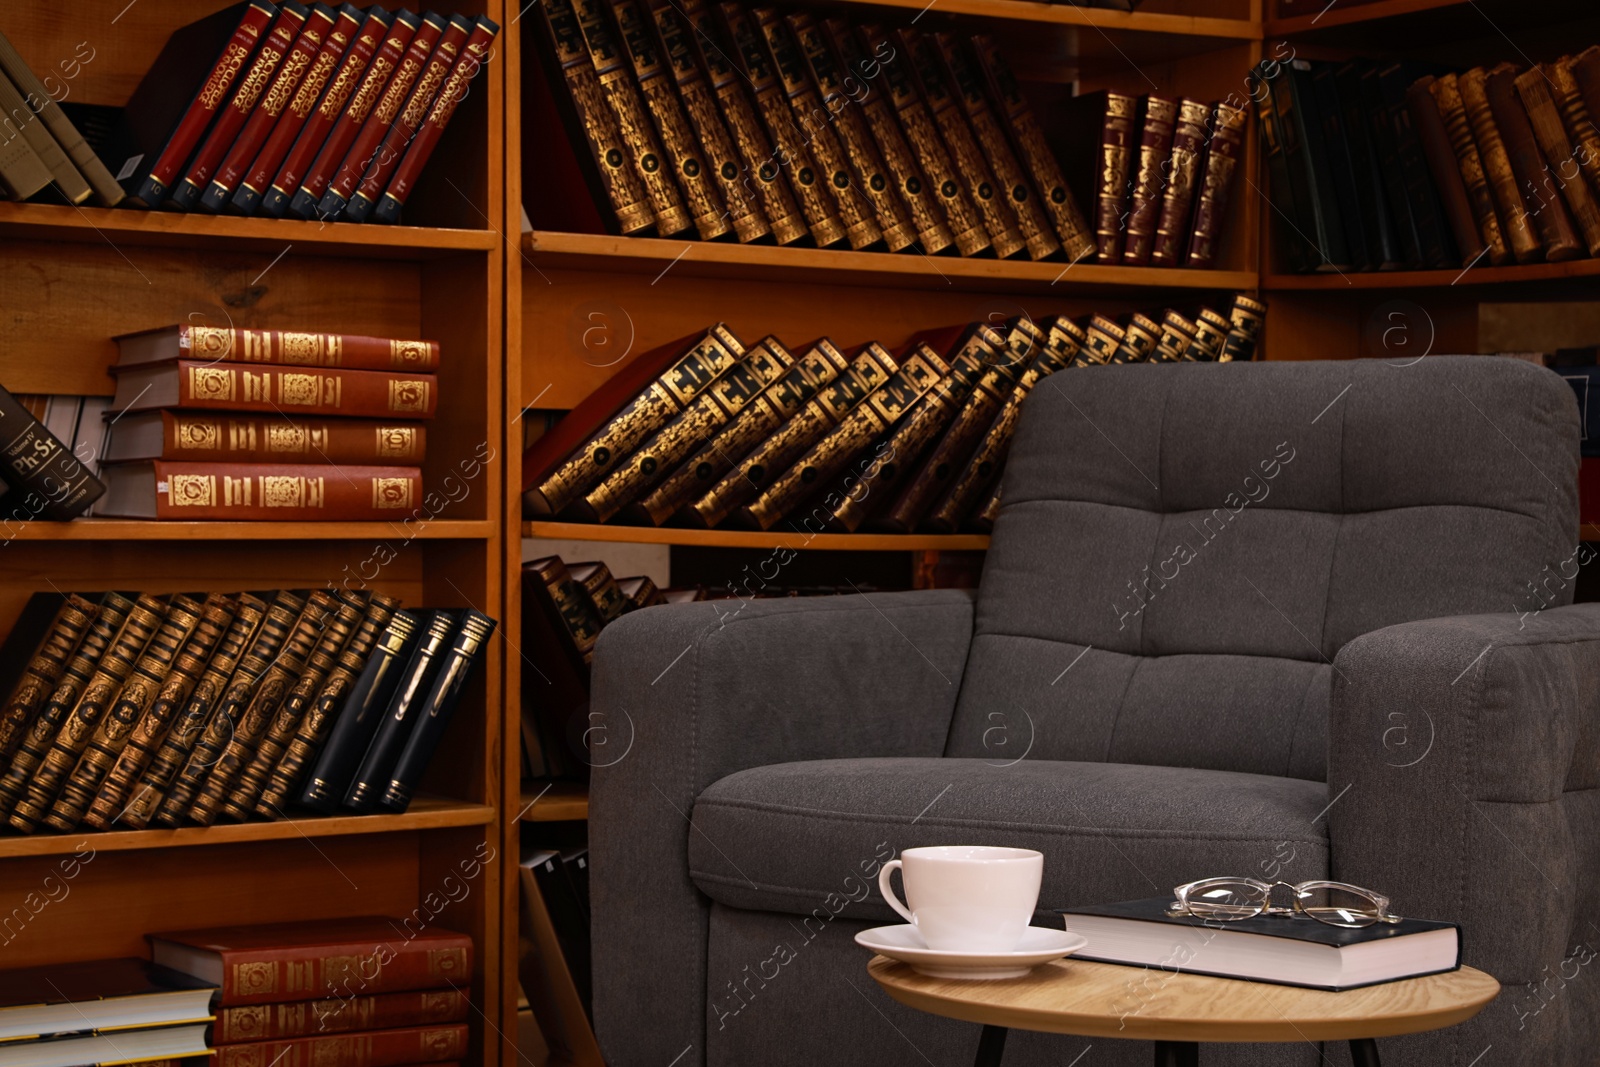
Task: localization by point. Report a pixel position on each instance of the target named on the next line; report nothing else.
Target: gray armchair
(1287, 620)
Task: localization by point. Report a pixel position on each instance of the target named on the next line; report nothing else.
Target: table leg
(1177, 1054)
(991, 1046)
(1364, 1052)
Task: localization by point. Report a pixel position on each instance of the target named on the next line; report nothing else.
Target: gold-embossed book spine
(1512, 212)
(1575, 116)
(1155, 149)
(1216, 186)
(44, 670)
(1183, 172)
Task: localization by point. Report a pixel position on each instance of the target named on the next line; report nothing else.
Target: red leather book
(364, 146)
(211, 437)
(287, 347)
(1216, 184)
(1183, 174)
(201, 385)
(1155, 149)
(275, 44)
(291, 72)
(375, 1048)
(157, 122)
(374, 173)
(306, 1018)
(285, 492)
(319, 172)
(456, 86)
(287, 173)
(1116, 156)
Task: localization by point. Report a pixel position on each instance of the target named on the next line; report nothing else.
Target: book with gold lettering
(1550, 216)
(1214, 189)
(1560, 155)
(286, 347)
(204, 385)
(1182, 179)
(207, 437)
(1155, 149)
(1139, 339)
(1512, 212)
(1247, 317)
(1439, 155)
(1575, 118)
(1177, 335)
(165, 489)
(595, 578)
(1105, 119)
(1469, 164)
(43, 670)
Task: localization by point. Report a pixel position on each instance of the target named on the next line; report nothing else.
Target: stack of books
(145, 710)
(731, 118)
(225, 423)
(1388, 166)
(369, 991)
(274, 108)
(102, 1011)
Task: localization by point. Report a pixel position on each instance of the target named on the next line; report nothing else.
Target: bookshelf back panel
(1392, 324)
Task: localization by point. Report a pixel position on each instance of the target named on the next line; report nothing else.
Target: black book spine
(398, 719)
(358, 720)
(1386, 144)
(1308, 167)
(1341, 168)
(46, 480)
(434, 715)
(1383, 241)
(1295, 246)
(1438, 245)
(571, 927)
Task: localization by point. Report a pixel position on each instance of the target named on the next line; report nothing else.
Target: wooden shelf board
(126, 226)
(426, 813)
(143, 530)
(651, 535)
(1433, 279)
(582, 251)
(554, 801)
(1071, 14)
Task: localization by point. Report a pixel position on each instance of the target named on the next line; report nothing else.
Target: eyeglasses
(1229, 899)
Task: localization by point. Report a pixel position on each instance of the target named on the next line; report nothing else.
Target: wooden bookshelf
(554, 802)
(838, 542)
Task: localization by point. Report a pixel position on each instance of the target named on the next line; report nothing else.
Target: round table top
(1106, 1000)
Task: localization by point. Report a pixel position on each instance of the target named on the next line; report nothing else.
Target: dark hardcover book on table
(43, 478)
(542, 874)
(1383, 242)
(1309, 171)
(1319, 81)
(1386, 146)
(63, 998)
(1268, 948)
(400, 719)
(40, 101)
(1437, 245)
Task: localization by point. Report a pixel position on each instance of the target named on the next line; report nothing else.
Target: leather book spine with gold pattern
(912, 436)
(918, 372)
(674, 442)
(1139, 339)
(44, 669)
(1526, 246)
(268, 491)
(187, 726)
(198, 437)
(1575, 117)
(640, 592)
(1183, 173)
(874, 180)
(866, 372)
(304, 1018)
(304, 391)
(760, 162)
(760, 418)
(226, 344)
(1215, 188)
(1439, 157)
(1210, 334)
(280, 779)
(100, 695)
(601, 588)
(104, 804)
(578, 617)
(229, 705)
(1112, 176)
(418, 1044)
(1076, 239)
(1014, 185)
(165, 664)
(856, 69)
(1144, 208)
(612, 168)
(642, 416)
(1177, 334)
(854, 200)
(1246, 317)
(1560, 154)
(949, 116)
(790, 151)
(721, 156)
(1101, 338)
(1469, 164)
(1550, 216)
(681, 149)
(317, 620)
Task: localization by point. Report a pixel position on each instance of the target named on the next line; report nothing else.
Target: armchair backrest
(1182, 550)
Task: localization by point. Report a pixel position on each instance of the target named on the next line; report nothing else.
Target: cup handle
(888, 894)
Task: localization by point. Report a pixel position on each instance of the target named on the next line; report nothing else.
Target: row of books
(707, 430)
(560, 879)
(727, 118)
(275, 108)
(1385, 166)
(144, 710)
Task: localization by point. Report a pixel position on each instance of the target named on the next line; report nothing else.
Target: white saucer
(904, 943)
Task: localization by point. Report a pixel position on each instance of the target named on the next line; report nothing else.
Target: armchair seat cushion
(797, 837)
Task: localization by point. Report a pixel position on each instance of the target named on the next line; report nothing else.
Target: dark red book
(283, 492)
(203, 385)
(374, 1048)
(212, 437)
(333, 1015)
(290, 348)
(275, 44)
(287, 171)
(1149, 168)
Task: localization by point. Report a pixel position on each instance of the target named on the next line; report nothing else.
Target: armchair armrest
(688, 694)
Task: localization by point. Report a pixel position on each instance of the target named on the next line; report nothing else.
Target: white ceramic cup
(967, 898)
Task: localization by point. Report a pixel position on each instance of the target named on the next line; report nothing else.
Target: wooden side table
(1178, 1011)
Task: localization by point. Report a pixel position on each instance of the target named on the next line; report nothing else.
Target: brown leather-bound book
(334, 1015)
(167, 490)
(1576, 118)
(866, 372)
(1447, 94)
(372, 1048)
(307, 655)
(1144, 207)
(1210, 334)
(202, 437)
(640, 592)
(722, 158)
(921, 198)
(1442, 164)
(1177, 334)
(106, 802)
(758, 420)
(576, 617)
(200, 384)
(1015, 187)
(1215, 189)
(1139, 339)
(949, 116)
(319, 958)
(229, 705)
(1113, 175)
(179, 742)
(281, 778)
(1556, 231)
(99, 695)
(608, 423)
(1525, 241)
(669, 446)
(922, 135)
(1102, 337)
(216, 344)
(601, 588)
(43, 672)
(1182, 179)
(1076, 239)
(1560, 155)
